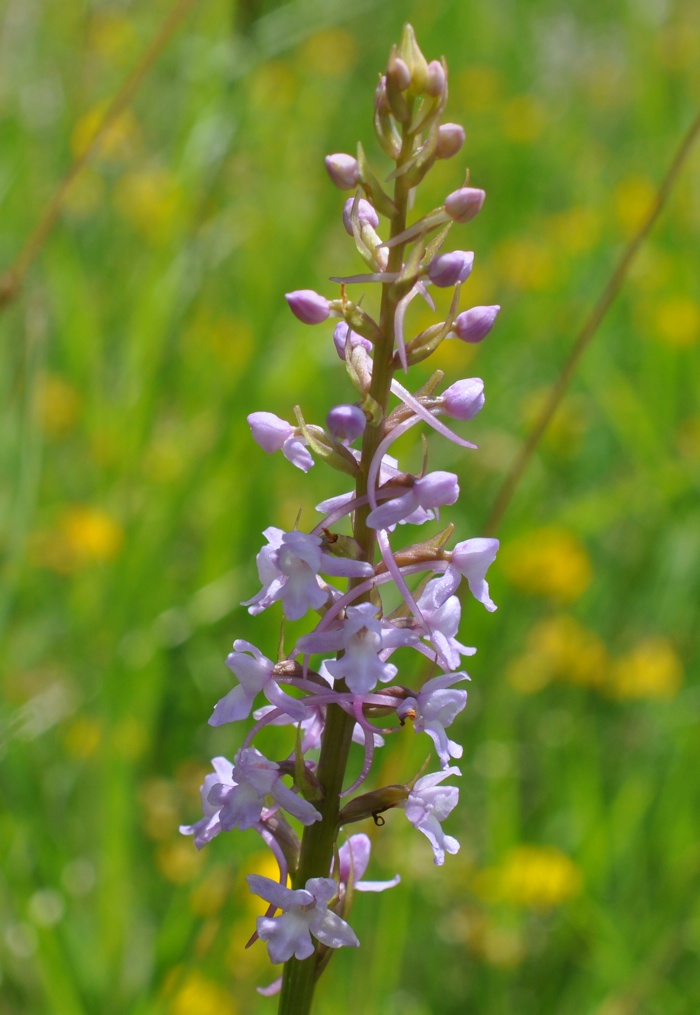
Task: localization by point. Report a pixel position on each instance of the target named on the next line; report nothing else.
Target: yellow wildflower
(151, 201)
(563, 435)
(538, 877)
(523, 118)
(677, 322)
(550, 562)
(57, 406)
(652, 669)
(119, 142)
(577, 229)
(178, 860)
(329, 52)
(633, 199)
(526, 263)
(83, 736)
(82, 535)
(477, 88)
(207, 897)
(196, 995)
(113, 38)
(559, 648)
(496, 944)
(91, 534)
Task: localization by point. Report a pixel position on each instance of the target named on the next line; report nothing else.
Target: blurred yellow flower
(90, 533)
(633, 199)
(526, 263)
(160, 805)
(82, 535)
(677, 322)
(196, 995)
(576, 229)
(129, 737)
(488, 940)
(83, 736)
(262, 863)
(112, 37)
(652, 669)
(151, 201)
(524, 118)
(207, 897)
(688, 438)
(58, 405)
(273, 85)
(559, 648)
(678, 44)
(178, 860)
(564, 433)
(120, 141)
(550, 562)
(478, 88)
(227, 336)
(538, 877)
(329, 52)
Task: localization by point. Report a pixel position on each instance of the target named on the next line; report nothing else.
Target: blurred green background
(132, 500)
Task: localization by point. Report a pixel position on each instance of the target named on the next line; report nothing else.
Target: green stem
(318, 842)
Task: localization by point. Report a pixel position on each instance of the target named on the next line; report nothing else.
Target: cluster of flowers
(345, 661)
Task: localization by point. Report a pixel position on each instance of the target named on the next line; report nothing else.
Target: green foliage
(133, 498)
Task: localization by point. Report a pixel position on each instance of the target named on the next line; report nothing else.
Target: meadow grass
(132, 501)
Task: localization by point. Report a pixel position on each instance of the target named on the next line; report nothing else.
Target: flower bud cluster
(345, 664)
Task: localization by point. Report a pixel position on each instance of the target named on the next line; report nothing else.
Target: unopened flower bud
(343, 170)
(463, 204)
(398, 73)
(309, 306)
(450, 140)
(436, 79)
(346, 422)
(449, 269)
(365, 213)
(463, 399)
(340, 337)
(475, 324)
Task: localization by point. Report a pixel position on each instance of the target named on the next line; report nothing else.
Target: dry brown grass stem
(588, 330)
(12, 279)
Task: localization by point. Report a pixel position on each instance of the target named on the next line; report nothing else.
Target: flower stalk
(335, 701)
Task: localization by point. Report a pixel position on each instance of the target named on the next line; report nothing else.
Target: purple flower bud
(464, 399)
(475, 324)
(449, 269)
(344, 170)
(365, 213)
(399, 73)
(463, 204)
(436, 80)
(308, 306)
(450, 140)
(346, 422)
(340, 337)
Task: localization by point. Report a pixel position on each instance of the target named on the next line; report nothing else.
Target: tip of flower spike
(308, 306)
